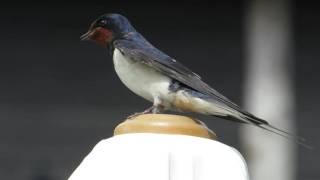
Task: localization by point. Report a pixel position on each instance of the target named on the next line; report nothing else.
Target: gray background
(60, 96)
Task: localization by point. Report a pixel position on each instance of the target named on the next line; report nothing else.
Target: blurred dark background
(60, 96)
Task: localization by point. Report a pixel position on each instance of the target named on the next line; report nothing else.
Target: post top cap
(164, 124)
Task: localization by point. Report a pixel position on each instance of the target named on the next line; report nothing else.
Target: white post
(268, 90)
(162, 147)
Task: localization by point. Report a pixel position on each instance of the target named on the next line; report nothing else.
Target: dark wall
(60, 96)
(307, 78)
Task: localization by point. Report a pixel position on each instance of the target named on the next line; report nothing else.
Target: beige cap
(164, 124)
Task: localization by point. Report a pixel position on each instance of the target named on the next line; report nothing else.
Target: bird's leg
(155, 109)
(157, 106)
(149, 110)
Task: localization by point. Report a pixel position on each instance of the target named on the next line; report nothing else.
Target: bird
(161, 79)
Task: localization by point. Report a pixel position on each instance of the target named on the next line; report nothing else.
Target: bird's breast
(140, 78)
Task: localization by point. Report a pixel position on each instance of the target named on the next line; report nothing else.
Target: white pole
(162, 147)
(268, 90)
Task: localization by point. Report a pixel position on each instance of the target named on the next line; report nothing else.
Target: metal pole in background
(269, 89)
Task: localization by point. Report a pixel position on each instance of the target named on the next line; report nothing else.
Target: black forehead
(115, 22)
(111, 18)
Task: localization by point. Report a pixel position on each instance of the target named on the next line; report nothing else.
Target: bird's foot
(149, 110)
(152, 109)
(135, 115)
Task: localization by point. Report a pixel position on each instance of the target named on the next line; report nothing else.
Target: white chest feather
(139, 78)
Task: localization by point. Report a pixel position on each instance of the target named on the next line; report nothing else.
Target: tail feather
(296, 139)
(268, 127)
(261, 122)
(253, 120)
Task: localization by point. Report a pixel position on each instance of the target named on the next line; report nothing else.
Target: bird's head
(107, 28)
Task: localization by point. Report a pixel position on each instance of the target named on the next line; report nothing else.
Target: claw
(134, 115)
(149, 110)
(152, 109)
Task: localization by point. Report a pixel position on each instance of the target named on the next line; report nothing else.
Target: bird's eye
(103, 22)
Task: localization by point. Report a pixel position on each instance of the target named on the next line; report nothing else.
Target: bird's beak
(86, 36)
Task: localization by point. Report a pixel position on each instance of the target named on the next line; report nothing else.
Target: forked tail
(253, 120)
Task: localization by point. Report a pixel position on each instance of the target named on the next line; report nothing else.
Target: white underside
(154, 87)
(141, 79)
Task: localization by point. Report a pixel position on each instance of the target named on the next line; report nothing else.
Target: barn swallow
(162, 80)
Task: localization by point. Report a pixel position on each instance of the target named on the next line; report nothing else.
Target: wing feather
(144, 52)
